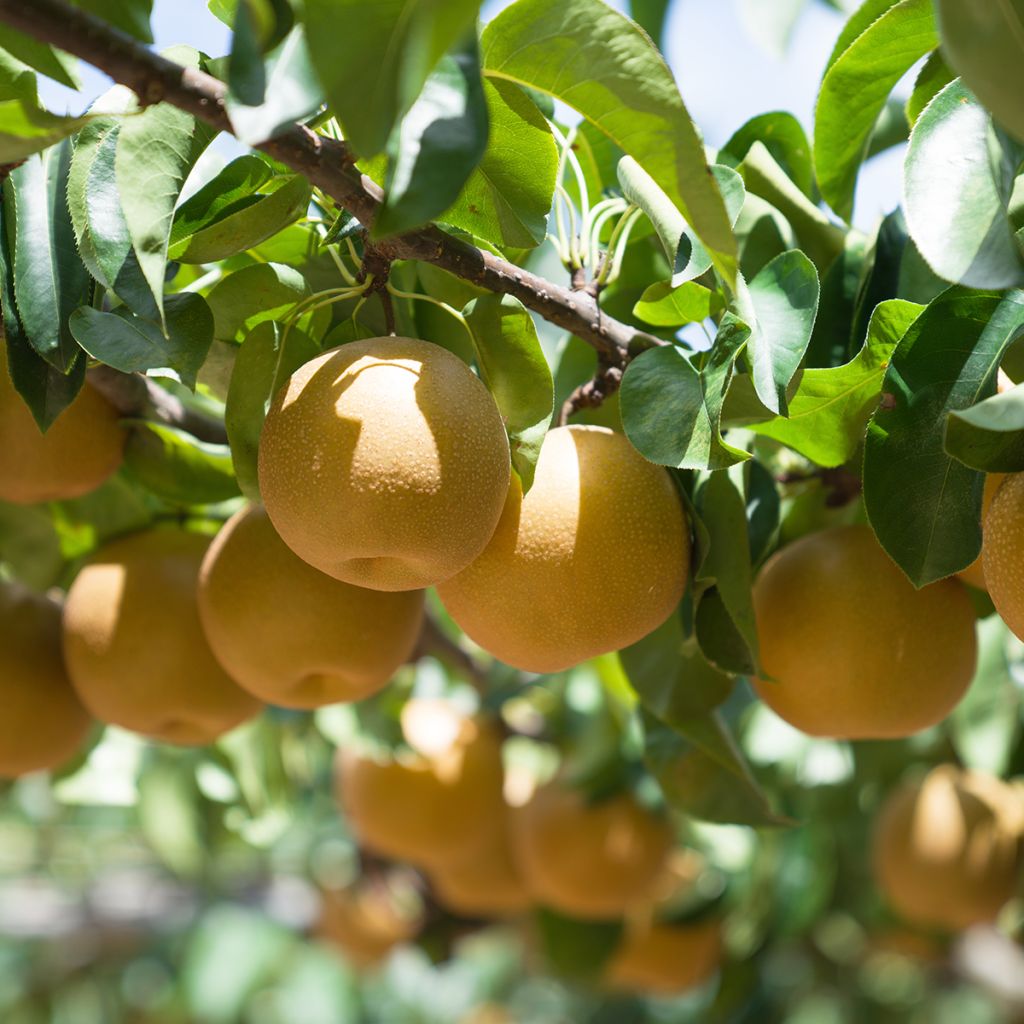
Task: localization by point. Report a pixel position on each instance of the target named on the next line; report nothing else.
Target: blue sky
(725, 76)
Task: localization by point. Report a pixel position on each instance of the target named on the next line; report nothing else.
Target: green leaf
(602, 65)
(227, 230)
(177, 467)
(650, 15)
(373, 59)
(727, 567)
(25, 128)
(131, 16)
(513, 367)
(156, 149)
(100, 228)
(50, 280)
(784, 301)
(44, 58)
(45, 390)
(664, 306)
(984, 43)
(686, 255)
(702, 771)
(577, 949)
(819, 237)
(924, 506)
(867, 13)
(292, 93)
(764, 507)
(265, 291)
(784, 138)
(763, 234)
(671, 410)
(133, 344)
(508, 197)
(437, 146)
(958, 181)
(830, 410)
(671, 676)
(990, 435)
(934, 76)
(267, 358)
(259, 25)
(985, 726)
(854, 91)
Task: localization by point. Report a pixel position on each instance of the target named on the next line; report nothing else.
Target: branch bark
(328, 164)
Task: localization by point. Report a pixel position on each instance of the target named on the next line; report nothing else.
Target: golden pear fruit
(134, 647)
(589, 860)
(662, 959)
(43, 723)
(975, 572)
(849, 648)
(288, 633)
(486, 883)
(593, 558)
(83, 446)
(366, 921)
(429, 808)
(1002, 549)
(384, 463)
(947, 849)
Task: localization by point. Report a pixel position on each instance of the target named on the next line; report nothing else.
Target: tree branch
(328, 164)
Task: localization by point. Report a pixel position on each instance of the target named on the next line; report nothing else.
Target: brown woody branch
(328, 164)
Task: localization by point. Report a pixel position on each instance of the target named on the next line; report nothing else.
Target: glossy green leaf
(176, 467)
(292, 93)
(133, 344)
(40, 56)
(508, 196)
(576, 949)
(854, 91)
(651, 16)
(50, 280)
(764, 507)
(830, 410)
(671, 410)
(784, 301)
(784, 137)
(437, 146)
(924, 505)
(990, 435)
(687, 256)
(983, 41)
(242, 225)
(664, 306)
(861, 19)
(958, 181)
(259, 25)
(45, 390)
(763, 233)
(601, 64)
(267, 358)
(934, 76)
(156, 149)
(513, 367)
(264, 291)
(373, 59)
(131, 16)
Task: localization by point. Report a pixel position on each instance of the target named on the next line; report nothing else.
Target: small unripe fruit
(43, 722)
(661, 959)
(850, 649)
(591, 861)
(385, 463)
(134, 647)
(593, 558)
(1003, 552)
(948, 848)
(430, 809)
(290, 634)
(83, 446)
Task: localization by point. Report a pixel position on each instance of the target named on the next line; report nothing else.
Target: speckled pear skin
(385, 463)
(134, 647)
(288, 633)
(1002, 552)
(83, 446)
(850, 649)
(975, 572)
(43, 723)
(592, 559)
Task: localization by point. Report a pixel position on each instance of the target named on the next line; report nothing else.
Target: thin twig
(435, 643)
(592, 393)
